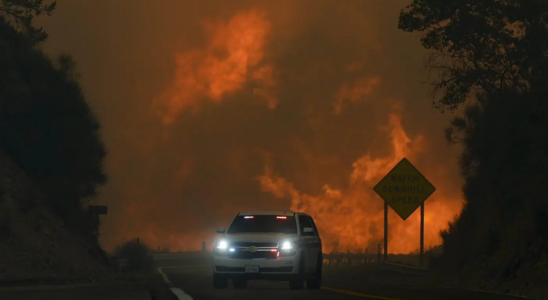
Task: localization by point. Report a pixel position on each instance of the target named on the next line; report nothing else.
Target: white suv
(268, 245)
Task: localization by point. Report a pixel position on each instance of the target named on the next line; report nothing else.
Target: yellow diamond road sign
(404, 188)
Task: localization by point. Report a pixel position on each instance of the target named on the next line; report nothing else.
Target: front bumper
(282, 268)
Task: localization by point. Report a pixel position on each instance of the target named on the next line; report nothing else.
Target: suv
(268, 245)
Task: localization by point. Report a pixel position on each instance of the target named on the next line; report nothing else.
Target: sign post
(385, 231)
(94, 212)
(422, 233)
(404, 188)
(379, 253)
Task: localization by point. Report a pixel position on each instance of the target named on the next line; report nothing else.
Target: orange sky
(211, 109)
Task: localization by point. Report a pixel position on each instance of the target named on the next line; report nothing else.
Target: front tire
(298, 283)
(220, 282)
(239, 283)
(315, 283)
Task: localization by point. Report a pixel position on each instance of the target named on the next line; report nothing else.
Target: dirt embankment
(35, 247)
(524, 279)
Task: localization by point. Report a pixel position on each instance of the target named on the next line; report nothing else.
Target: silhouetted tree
(493, 54)
(492, 45)
(505, 154)
(137, 254)
(20, 15)
(46, 125)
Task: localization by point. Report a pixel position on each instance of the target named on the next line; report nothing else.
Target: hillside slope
(35, 247)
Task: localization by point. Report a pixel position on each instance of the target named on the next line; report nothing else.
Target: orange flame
(352, 219)
(221, 67)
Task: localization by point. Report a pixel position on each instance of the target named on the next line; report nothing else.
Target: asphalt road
(193, 275)
(79, 292)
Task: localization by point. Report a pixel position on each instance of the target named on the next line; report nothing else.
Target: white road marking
(164, 276)
(180, 294)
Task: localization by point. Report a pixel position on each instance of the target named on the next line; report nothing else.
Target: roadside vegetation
(490, 63)
(137, 256)
(51, 158)
(48, 128)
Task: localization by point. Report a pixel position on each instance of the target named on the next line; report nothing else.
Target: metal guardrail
(329, 259)
(406, 266)
(180, 255)
(357, 259)
(349, 259)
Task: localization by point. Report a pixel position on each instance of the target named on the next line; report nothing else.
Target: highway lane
(197, 282)
(193, 276)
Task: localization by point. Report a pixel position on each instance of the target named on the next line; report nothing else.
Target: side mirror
(221, 230)
(308, 230)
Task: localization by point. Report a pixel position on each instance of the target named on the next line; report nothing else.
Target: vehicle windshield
(264, 223)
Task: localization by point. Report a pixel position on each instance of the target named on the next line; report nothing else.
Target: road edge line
(164, 276)
(177, 292)
(180, 294)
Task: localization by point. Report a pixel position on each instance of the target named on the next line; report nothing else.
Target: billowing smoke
(233, 54)
(211, 108)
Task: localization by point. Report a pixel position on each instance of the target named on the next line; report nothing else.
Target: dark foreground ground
(85, 292)
(142, 289)
(191, 272)
(387, 282)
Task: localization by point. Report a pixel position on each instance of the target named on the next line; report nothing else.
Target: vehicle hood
(260, 237)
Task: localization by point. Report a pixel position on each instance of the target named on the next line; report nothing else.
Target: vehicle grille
(249, 244)
(243, 254)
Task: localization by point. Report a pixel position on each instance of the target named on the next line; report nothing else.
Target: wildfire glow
(233, 50)
(352, 219)
(190, 177)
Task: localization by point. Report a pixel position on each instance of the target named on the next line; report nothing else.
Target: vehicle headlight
(288, 248)
(287, 245)
(222, 245)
